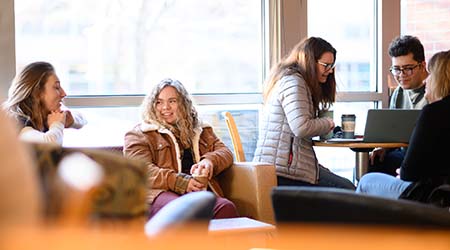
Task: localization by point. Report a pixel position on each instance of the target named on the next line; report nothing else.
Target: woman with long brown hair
(298, 86)
(35, 102)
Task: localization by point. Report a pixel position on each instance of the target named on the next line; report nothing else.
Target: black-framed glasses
(328, 66)
(407, 70)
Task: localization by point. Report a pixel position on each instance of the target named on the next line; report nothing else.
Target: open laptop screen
(386, 125)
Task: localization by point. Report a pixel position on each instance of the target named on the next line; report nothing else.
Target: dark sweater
(429, 147)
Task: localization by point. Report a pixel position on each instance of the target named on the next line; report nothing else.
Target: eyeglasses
(328, 66)
(408, 70)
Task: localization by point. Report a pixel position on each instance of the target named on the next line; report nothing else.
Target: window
(109, 53)
(352, 36)
(122, 47)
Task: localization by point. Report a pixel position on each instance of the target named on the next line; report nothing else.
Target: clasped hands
(203, 167)
(63, 116)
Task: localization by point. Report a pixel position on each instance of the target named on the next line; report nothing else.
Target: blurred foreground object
(194, 208)
(19, 188)
(331, 205)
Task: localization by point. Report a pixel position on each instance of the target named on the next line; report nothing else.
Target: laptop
(386, 125)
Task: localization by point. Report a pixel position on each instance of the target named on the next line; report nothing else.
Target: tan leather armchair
(249, 186)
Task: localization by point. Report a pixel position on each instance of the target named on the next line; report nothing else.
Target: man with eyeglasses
(409, 71)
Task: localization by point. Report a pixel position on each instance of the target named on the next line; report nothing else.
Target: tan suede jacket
(158, 147)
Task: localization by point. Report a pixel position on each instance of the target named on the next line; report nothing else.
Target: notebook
(386, 125)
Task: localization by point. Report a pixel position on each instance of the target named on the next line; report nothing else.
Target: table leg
(362, 164)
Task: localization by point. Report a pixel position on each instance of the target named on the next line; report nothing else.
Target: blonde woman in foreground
(425, 166)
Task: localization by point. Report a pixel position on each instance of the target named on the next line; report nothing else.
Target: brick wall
(430, 21)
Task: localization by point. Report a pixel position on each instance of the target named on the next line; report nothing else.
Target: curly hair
(302, 60)
(403, 45)
(187, 120)
(24, 95)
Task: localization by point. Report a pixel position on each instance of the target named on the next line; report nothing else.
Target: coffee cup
(330, 114)
(348, 125)
(203, 179)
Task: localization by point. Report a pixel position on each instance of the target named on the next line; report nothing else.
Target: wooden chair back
(234, 135)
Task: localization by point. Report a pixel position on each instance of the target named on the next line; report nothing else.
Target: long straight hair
(302, 60)
(24, 101)
(187, 114)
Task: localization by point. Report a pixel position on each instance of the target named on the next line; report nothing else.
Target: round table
(362, 150)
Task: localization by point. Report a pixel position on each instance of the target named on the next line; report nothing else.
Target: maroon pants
(222, 209)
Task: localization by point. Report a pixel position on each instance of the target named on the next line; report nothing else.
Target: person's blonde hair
(439, 68)
(302, 60)
(187, 114)
(24, 96)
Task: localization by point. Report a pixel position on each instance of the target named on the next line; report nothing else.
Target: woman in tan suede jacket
(175, 143)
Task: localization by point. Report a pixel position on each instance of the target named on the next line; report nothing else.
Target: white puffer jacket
(288, 124)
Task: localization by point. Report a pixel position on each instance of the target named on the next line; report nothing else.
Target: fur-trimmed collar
(154, 125)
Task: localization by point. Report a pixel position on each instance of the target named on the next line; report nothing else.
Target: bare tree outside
(118, 47)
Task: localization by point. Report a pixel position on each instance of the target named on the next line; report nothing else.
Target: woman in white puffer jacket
(294, 92)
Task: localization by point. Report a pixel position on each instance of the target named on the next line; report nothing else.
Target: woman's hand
(56, 116)
(203, 167)
(194, 186)
(69, 119)
(331, 122)
(378, 152)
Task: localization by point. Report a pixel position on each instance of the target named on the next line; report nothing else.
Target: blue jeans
(326, 179)
(383, 185)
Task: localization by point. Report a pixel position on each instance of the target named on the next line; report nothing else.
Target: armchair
(248, 185)
(331, 205)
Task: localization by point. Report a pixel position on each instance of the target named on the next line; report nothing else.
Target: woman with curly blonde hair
(175, 144)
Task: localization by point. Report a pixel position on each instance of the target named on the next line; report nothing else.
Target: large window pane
(122, 47)
(351, 35)
(429, 21)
